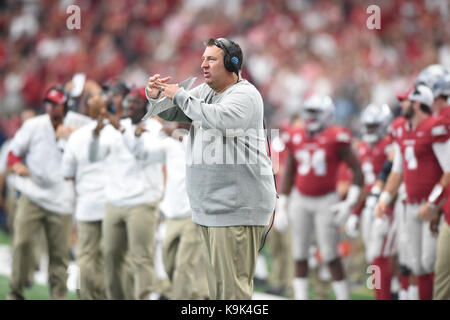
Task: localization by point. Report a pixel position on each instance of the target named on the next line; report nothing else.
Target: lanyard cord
(263, 241)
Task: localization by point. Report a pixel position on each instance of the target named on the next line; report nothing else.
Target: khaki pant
(355, 263)
(130, 229)
(10, 204)
(231, 260)
(184, 260)
(39, 244)
(282, 272)
(90, 260)
(28, 221)
(321, 288)
(442, 267)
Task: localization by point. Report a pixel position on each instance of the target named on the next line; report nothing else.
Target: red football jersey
(421, 169)
(372, 159)
(316, 158)
(394, 127)
(445, 112)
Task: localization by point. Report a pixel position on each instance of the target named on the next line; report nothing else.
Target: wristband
(375, 191)
(436, 194)
(385, 197)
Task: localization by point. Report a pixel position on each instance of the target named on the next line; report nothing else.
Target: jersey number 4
(410, 158)
(315, 161)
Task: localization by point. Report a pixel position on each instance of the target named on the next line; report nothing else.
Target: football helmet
(442, 87)
(431, 75)
(375, 120)
(317, 112)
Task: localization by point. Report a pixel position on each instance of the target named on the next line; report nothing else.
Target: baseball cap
(140, 92)
(422, 94)
(56, 96)
(404, 95)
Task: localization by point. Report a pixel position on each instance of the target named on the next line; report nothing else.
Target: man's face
(408, 111)
(96, 106)
(56, 112)
(405, 106)
(136, 108)
(213, 68)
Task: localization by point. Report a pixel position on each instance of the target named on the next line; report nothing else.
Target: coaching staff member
(231, 201)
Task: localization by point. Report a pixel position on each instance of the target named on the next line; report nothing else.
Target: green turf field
(4, 238)
(37, 292)
(41, 292)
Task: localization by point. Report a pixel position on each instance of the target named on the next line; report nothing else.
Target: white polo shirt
(90, 177)
(36, 143)
(175, 204)
(133, 177)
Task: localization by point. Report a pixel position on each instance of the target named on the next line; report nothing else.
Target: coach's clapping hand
(100, 123)
(140, 129)
(115, 121)
(154, 85)
(168, 89)
(63, 132)
(21, 170)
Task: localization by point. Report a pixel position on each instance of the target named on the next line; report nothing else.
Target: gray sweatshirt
(229, 174)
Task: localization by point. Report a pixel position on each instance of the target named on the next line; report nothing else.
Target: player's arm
(393, 182)
(347, 154)
(436, 198)
(343, 209)
(287, 181)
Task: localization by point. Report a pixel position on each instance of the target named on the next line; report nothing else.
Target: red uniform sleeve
(440, 130)
(13, 159)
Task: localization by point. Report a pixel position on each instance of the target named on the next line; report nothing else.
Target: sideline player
(420, 148)
(315, 153)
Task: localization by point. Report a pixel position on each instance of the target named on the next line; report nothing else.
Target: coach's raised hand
(154, 85)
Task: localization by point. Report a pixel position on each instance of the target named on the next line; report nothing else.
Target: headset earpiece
(231, 63)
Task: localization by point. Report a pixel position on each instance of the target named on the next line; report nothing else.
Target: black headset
(231, 62)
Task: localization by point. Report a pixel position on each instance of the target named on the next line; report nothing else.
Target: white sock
(301, 288)
(403, 294)
(154, 296)
(395, 285)
(341, 289)
(413, 293)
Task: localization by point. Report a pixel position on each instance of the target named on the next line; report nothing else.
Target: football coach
(229, 174)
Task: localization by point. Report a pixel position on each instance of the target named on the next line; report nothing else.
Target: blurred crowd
(291, 47)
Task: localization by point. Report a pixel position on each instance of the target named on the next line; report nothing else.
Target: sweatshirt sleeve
(233, 112)
(21, 141)
(174, 113)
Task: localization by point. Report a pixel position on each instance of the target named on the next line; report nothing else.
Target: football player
(373, 151)
(441, 92)
(315, 153)
(420, 161)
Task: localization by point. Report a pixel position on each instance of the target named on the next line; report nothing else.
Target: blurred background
(291, 48)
